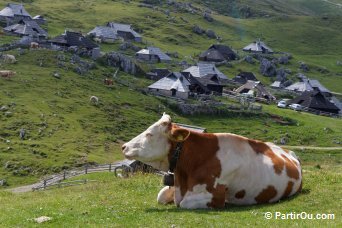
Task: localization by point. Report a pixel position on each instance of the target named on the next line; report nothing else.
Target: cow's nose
(123, 147)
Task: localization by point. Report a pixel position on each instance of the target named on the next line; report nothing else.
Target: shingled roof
(257, 87)
(12, 10)
(243, 77)
(203, 69)
(155, 51)
(258, 46)
(315, 100)
(105, 32)
(218, 53)
(74, 39)
(26, 28)
(123, 28)
(300, 86)
(175, 80)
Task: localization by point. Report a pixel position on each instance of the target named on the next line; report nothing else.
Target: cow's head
(153, 145)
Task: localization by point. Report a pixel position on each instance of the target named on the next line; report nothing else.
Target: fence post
(44, 184)
(86, 169)
(110, 167)
(64, 174)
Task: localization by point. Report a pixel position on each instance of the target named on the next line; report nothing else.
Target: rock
(323, 70)
(4, 108)
(283, 59)
(75, 59)
(208, 17)
(301, 76)
(8, 114)
(198, 30)
(3, 182)
(56, 75)
(303, 67)
(339, 63)
(288, 71)
(249, 59)
(125, 63)
(281, 75)
(42, 219)
(211, 34)
(267, 68)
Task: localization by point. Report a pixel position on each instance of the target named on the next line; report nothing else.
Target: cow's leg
(166, 195)
(201, 197)
(219, 196)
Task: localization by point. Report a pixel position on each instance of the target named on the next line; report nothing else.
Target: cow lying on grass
(7, 74)
(214, 169)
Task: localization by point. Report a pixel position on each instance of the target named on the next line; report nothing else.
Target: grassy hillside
(266, 8)
(64, 130)
(312, 40)
(116, 202)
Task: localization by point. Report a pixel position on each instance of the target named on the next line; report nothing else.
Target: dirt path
(21, 189)
(312, 148)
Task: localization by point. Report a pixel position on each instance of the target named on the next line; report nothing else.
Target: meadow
(64, 130)
(115, 202)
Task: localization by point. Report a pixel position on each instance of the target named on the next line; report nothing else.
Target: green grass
(131, 202)
(64, 130)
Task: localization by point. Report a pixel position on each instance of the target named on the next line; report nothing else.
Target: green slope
(64, 130)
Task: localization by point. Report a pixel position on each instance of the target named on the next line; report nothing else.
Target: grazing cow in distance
(94, 100)
(213, 169)
(7, 74)
(34, 45)
(108, 81)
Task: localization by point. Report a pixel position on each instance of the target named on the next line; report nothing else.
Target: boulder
(303, 67)
(208, 17)
(281, 75)
(198, 30)
(249, 59)
(283, 59)
(211, 34)
(267, 68)
(125, 63)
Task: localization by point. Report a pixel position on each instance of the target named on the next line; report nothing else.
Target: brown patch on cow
(198, 164)
(262, 148)
(291, 168)
(288, 189)
(266, 195)
(240, 194)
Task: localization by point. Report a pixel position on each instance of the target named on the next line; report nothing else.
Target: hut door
(173, 92)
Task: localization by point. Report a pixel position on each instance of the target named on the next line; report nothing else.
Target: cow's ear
(179, 134)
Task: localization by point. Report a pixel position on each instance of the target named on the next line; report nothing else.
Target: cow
(34, 45)
(94, 100)
(7, 74)
(108, 81)
(215, 169)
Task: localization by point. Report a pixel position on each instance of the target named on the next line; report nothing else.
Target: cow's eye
(149, 135)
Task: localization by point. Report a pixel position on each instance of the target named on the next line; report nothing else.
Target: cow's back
(256, 172)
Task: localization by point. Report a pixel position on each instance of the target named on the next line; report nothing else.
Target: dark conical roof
(315, 100)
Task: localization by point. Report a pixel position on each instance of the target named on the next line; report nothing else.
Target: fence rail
(58, 179)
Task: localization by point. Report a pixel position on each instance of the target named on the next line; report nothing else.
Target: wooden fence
(58, 179)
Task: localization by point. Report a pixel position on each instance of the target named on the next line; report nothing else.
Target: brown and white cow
(214, 169)
(7, 73)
